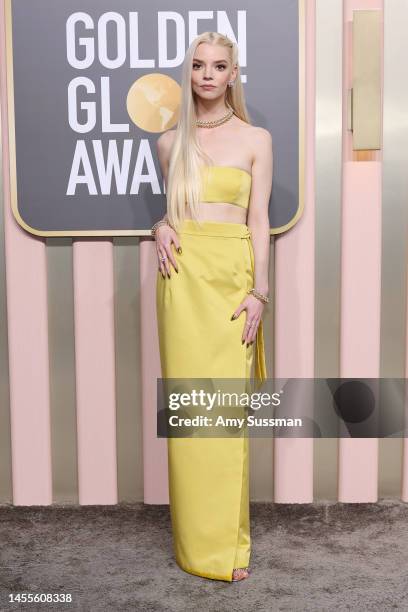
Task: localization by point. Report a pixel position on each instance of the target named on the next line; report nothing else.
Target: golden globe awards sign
(92, 84)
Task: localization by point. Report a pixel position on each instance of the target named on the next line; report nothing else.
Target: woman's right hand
(165, 236)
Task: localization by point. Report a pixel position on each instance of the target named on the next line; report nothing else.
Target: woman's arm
(258, 218)
(165, 235)
(163, 147)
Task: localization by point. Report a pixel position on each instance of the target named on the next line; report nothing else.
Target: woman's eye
(195, 65)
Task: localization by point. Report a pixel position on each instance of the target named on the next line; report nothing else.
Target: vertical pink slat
(155, 469)
(28, 361)
(26, 285)
(404, 484)
(361, 286)
(95, 371)
(294, 305)
(360, 315)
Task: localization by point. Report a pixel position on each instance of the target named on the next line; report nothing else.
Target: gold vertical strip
(5, 436)
(394, 248)
(329, 85)
(128, 376)
(366, 100)
(62, 370)
(389, 467)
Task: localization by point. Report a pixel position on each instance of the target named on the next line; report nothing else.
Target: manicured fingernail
(176, 270)
(242, 341)
(179, 250)
(233, 317)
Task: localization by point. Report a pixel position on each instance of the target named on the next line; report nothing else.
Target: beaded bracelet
(158, 224)
(260, 296)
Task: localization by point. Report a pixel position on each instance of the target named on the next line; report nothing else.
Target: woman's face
(211, 66)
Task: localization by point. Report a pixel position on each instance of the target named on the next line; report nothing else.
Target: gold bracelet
(260, 296)
(157, 225)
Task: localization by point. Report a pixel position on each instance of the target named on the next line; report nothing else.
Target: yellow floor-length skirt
(208, 477)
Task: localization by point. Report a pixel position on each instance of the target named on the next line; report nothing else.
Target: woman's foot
(240, 573)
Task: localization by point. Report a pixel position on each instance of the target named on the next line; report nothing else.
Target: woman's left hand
(254, 309)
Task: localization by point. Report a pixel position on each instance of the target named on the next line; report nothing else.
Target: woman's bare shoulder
(257, 140)
(260, 133)
(254, 134)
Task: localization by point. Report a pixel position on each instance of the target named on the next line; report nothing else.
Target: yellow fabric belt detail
(260, 362)
(237, 230)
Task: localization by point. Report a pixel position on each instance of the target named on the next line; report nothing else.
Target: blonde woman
(212, 287)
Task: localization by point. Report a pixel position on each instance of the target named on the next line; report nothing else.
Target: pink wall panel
(94, 302)
(28, 363)
(361, 284)
(294, 305)
(95, 371)
(154, 449)
(360, 315)
(404, 484)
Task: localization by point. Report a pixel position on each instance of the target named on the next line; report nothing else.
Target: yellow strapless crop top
(226, 184)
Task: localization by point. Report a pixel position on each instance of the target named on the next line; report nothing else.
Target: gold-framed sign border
(144, 232)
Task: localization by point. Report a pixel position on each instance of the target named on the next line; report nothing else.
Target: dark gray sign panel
(92, 84)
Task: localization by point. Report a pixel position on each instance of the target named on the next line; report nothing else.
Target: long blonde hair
(184, 174)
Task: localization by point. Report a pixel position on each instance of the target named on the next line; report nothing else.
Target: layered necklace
(215, 122)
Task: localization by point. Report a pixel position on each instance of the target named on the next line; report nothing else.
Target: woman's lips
(208, 86)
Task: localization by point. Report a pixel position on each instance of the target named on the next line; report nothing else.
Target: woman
(211, 292)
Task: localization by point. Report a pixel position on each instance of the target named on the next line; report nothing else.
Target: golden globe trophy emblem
(153, 102)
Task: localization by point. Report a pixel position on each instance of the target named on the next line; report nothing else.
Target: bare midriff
(224, 212)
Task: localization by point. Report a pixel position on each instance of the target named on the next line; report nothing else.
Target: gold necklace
(215, 122)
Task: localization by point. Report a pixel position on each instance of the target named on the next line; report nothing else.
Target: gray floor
(304, 557)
